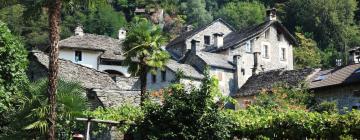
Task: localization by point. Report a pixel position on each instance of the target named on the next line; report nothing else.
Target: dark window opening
(78, 56)
(153, 78)
(207, 40)
(163, 75)
(111, 62)
(283, 54)
(114, 74)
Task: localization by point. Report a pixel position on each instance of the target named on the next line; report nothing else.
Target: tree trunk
(143, 80)
(54, 20)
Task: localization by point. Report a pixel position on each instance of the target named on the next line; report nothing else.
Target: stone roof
(110, 46)
(188, 71)
(89, 78)
(266, 80)
(182, 38)
(215, 60)
(333, 77)
(236, 38)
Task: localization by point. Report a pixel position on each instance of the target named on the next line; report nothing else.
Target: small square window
(220, 76)
(78, 56)
(207, 40)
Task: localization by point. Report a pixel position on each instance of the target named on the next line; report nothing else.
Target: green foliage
(104, 20)
(31, 119)
(326, 106)
(196, 13)
(128, 114)
(13, 80)
(193, 114)
(144, 41)
(307, 54)
(242, 14)
(283, 97)
(331, 22)
(293, 124)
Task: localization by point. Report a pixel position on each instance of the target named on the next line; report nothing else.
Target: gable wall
(89, 58)
(217, 27)
(266, 64)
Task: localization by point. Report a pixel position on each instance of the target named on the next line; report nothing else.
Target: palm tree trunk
(54, 19)
(143, 80)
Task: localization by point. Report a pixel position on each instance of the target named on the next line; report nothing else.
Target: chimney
(189, 28)
(239, 71)
(271, 14)
(218, 40)
(354, 55)
(194, 46)
(79, 31)
(122, 34)
(256, 68)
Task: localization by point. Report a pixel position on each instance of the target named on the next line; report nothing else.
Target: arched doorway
(114, 73)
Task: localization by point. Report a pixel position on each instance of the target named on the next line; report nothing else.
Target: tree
(31, 120)
(331, 22)
(143, 41)
(13, 80)
(307, 54)
(54, 17)
(242, 14)
(196, 13)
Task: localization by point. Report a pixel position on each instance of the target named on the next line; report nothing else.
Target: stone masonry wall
(344, 96)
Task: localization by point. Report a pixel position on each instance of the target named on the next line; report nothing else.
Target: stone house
(95, 51)
(340, 84)
(100, 88)
(231, 55)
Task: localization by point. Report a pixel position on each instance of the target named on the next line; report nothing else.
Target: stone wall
(226, 80)
(344, 96)
(114, 98)
(216, 27)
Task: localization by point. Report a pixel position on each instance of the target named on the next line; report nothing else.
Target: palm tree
(71, 102)
(144, 42)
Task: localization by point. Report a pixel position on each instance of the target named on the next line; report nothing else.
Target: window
(283, 54)
(207, 40)
(249, 45)
(243, 71)
(78, 56)
(153, 78)
(267, 34)
(247, 103)
(163, 75)
(266, 51)
(279, 37)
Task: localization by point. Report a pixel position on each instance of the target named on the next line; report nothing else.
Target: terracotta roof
(110, 46)
(236, 38)
(188, 71)
(182, 38)
(338, 76)
(215, 60)
(89, 78)
(266, 80)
